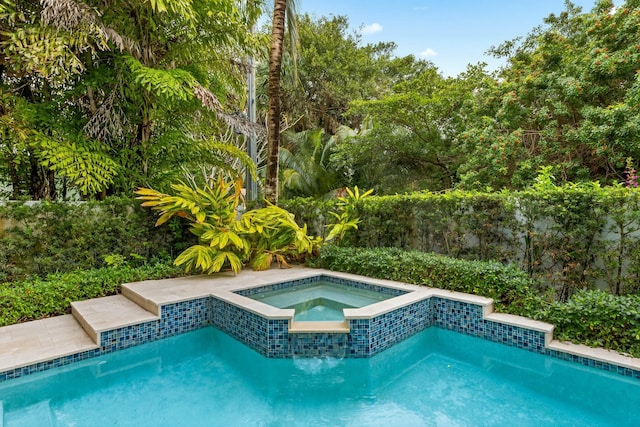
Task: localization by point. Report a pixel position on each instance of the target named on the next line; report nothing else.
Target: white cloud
(371, 28)
(428, 52)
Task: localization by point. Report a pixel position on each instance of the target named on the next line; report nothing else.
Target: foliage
(345, 217)
(570, 237)
(597, 319)
(102, 98)
(37, 298)
(510, 288)
(316, 213)
(259, 236)
(591, 317)
(274, 235)
(333, 68)
(410, 143)
(304, 159)
(568, 98)
(47, 237)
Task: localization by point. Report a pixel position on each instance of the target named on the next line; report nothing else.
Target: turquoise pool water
(320, 301)
(435, 378)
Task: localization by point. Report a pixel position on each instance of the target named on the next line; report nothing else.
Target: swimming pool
(435, 378)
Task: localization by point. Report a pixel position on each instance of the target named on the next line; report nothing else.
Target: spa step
(107, 313)
(326, 327)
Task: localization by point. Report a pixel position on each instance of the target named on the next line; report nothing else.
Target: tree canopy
(103, 97)
(107, 96)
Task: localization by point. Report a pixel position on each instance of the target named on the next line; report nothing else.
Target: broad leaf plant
(228, 238)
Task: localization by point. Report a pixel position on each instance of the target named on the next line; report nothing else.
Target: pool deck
(29, 343)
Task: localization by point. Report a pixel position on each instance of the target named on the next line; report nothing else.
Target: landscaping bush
(597, 319)
(51, 296)
(510, 288)
(51, 237)
(591, 317)
(569, 237)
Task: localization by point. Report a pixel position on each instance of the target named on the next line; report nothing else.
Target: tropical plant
(108, 97)
(305, 167)
(346, 218)
(227, 238)
(275, 236)
(284, 11)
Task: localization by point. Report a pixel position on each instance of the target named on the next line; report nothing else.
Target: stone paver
(107, 313)
(32, 342)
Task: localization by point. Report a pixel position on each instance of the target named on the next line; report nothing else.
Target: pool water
(320, 301)
(319, 309)
(435, 378)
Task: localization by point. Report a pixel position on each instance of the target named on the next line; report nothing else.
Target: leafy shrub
(50, 237)
(570, 237)
(597, 319)
(259, 236)
(25, 300)
(509, 287)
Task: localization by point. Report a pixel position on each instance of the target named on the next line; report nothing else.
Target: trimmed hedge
(51, 296)
(591, 317)
(509, 287)
(52, 237)
(597, 319)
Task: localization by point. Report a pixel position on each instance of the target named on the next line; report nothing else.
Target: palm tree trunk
(273, 118)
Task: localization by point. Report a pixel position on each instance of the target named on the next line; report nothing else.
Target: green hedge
(510, 288)
(50, 237)
(591, 317)
(597, 319)
(51, 296)
(570, 237)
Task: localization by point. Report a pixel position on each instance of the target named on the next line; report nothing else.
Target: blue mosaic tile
(248, 328)
(278, 286)
(129, 336)
(184, 316)
(318, 345)
(337, 280)
(49, 364)
(368, 337)
(620, 370)
(467, 319)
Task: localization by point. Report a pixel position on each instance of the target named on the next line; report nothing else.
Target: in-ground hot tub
(323, 300)
(323, 315)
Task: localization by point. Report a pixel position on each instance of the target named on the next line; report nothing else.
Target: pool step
(326, 327)
(107, 313)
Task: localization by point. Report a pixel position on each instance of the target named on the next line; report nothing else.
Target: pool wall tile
(129, 336)
(49, 364)
(467, 319)
(184, 316)
(318, 345)
(268, 337)
(368, 337)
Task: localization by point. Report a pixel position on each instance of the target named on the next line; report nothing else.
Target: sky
(450, 33)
